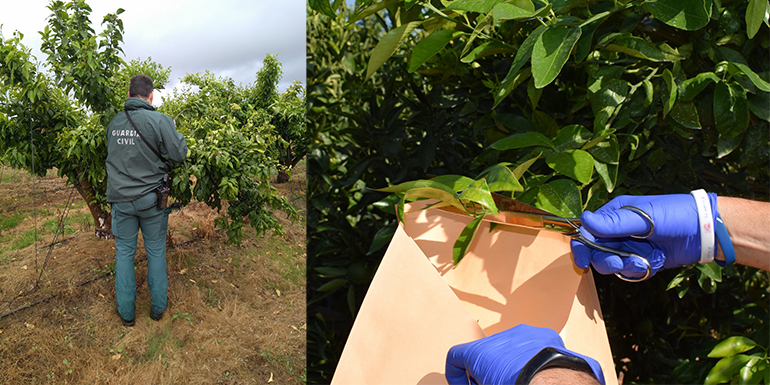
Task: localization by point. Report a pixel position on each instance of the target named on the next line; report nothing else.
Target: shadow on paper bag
(418, 305)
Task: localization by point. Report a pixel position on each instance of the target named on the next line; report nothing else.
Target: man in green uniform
(134, 171)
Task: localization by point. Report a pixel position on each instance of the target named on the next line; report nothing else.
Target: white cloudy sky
(230, 38)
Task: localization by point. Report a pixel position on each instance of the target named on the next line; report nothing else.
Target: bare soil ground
(236, 314)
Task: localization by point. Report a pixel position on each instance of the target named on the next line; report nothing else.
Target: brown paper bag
(418, 306)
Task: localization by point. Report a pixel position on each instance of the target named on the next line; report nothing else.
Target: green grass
(291, 265)
(11, 222)
(157, 340)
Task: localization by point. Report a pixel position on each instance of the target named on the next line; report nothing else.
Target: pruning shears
(513, 212)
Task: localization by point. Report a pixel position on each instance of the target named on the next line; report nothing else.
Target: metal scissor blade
(515, 213)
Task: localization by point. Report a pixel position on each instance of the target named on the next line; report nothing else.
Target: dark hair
(141, 85)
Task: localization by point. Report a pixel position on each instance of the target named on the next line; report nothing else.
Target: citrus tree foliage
(229, 158)
(562, 105)
(63, 105)
(289, 120)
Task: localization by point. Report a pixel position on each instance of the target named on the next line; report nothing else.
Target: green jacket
(133, 170)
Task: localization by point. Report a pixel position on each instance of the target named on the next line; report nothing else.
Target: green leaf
(576, 164)
(756, 13)
(686, 114)
(560, 197)
(731, 111)
(550, 52)
(638, 47)
(486, 49)
(501, 178)
(759, 105)
(520, 9)
(479, 193)
(726, 368)
(753, 371)
(732, 346)
(389, 43)
(430, 46)
(738, 68)
(333, 285)
(608, 173)
(572, 136)
(382, 237)
(726, 145)
(366, 12)
(670, 98)
(454, 182)
(526, 139)
(711, 270)
(607, 151)
(330, 272)
(464, 240)
(683, 14)
(522, 57)
(406, 186)
(519, 171)
(480, 6)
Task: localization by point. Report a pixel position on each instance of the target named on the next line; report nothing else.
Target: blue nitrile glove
(675, 241)
(500, 358)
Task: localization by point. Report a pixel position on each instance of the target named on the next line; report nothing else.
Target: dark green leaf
(686, 114)
(693, 86)
(726, 145)
(550, 52)
(330, 272)
(522, 57)
(333, 285)
(738, 68)
(526, 139)
(756, 13)
(683, 14)
(429, 46)
(731, 111)
(560, 197)
(670, 97)
(462, 243)
(382, 237)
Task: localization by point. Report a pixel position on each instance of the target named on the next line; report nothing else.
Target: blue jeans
(127, 219)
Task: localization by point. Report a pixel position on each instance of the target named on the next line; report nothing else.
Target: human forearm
(559, 376)
(746, 223)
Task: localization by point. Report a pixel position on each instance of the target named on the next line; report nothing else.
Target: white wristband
(706, 225)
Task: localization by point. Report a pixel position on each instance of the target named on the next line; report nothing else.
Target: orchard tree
(287, 111)
(63, 114)
(289, 120)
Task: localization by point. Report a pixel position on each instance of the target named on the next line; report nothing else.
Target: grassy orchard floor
(236, 315)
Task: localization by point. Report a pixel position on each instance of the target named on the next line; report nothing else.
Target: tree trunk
(283, 177)
(102, 219)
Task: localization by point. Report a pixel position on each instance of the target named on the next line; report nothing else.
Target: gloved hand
(500, 358)
(675, 241)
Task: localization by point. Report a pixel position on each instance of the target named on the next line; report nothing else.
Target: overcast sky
(230, 38)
